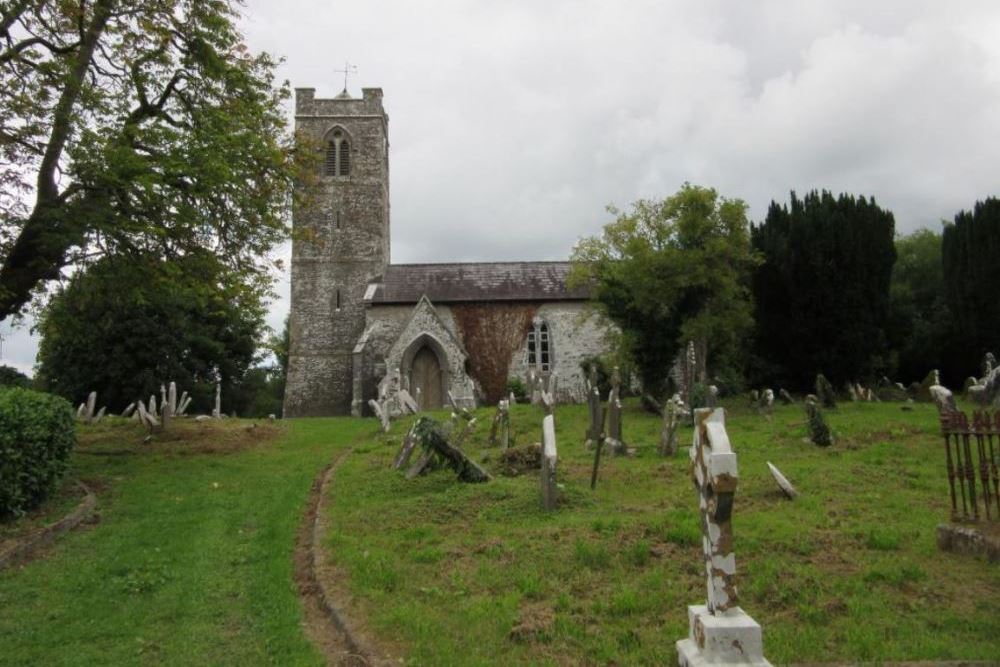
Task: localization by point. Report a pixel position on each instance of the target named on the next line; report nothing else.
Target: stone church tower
(341, 245)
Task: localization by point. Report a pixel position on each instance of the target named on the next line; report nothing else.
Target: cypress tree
(822, 293)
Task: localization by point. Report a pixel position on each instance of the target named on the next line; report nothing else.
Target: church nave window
(539, 347)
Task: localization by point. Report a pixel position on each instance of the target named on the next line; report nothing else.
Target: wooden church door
(426, 374)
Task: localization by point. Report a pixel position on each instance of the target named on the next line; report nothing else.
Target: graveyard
(428, 567)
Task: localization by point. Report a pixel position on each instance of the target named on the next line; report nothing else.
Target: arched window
(540, 347)
(338, 154)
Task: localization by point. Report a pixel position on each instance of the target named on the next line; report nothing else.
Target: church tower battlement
(341, 244)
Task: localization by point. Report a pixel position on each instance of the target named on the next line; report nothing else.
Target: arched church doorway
(425, 374)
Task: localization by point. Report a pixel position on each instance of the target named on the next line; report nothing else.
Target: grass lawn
(478, 574)
(191, 561)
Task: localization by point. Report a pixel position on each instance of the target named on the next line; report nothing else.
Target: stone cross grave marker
(719, 631)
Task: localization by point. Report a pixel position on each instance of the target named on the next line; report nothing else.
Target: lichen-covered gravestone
(595, 431)
(672, 412)
(720, 633)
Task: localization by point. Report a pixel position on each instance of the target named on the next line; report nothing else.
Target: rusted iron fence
(973, 448)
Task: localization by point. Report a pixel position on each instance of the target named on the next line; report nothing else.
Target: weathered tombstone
(614, 438)
(407, 403)
(151, 406)
(549, 457)
(185, 402)
(595, 431)
(500, 428)
(783, 483)
(786, 398)
(403, 456)
(712, 398)
(127, 412)
(924, 389)
(91, 405)
(943, 398)
(719, 631)
(81, 411)
(163, 396)
(217, 410)
(380, 413)
(819, 432)
(824, 390)
(146, 417)
(434, 442)
(100, 415)
(754, 398)
(172, 397)
(668, 429)
(512, 398)
(852, 391)
(166, 414)
(767, 402)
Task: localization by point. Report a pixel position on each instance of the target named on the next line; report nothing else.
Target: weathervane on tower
(348, 69)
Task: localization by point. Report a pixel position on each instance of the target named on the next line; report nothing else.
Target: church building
(361, 327)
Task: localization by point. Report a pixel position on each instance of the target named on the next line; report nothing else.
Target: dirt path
(322, 589)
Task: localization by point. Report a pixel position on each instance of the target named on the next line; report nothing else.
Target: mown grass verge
(478, 574)
(191, 560)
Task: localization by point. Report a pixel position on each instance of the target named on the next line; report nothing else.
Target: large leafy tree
(970, 249)
(134, 126)
(822, 293)
(127, 324)
(919, 317)
(669, 271)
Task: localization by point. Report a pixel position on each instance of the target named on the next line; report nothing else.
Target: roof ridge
(505, 262)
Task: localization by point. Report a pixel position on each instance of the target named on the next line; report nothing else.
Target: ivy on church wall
(491, 334)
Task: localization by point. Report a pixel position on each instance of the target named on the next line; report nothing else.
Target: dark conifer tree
(970, 250)
(822, 293)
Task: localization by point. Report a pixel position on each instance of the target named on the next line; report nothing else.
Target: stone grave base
(732, 638)
(973, 539)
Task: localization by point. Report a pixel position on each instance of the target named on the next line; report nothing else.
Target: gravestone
(383, 418)
(217, 410)
(127, 412)
(405, 450)
(91, 404)
(943, 398)
(668, 429)
(595, 431)
(712, 399)
(824, 390)
(549, 458)
(785, 397)
(501, 425)
(719, 632)
(614, 440)
(783, 483)
(406, 402)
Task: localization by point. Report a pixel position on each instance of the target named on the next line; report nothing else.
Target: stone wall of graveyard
(341, 244)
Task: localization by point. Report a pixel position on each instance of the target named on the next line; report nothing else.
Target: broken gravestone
(719, 632)
(783, 483)
(437, 450)
(405, 450)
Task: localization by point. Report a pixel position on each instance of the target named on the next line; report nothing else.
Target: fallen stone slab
(783, 483)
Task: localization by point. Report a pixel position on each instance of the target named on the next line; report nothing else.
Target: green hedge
(36, 436)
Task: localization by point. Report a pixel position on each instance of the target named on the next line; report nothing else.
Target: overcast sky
(513, 124)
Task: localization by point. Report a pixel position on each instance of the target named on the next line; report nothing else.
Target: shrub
(36, 437)
(516, 386)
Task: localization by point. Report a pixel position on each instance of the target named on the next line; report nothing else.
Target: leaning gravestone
(824, 390)
(785, 397)
(719, 632)
(380, 412)
(783, 483)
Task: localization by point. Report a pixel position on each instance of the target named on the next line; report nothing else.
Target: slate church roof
(478, 281)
